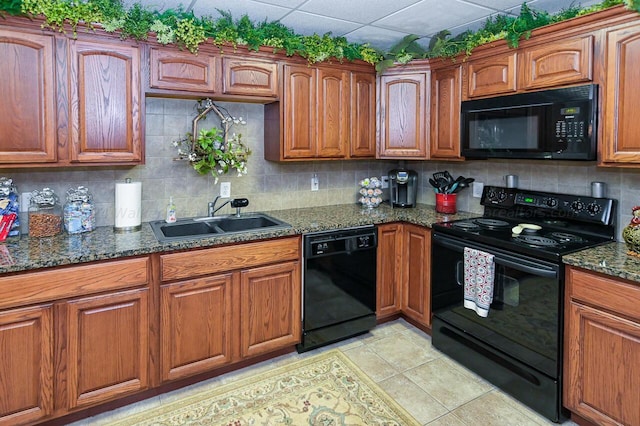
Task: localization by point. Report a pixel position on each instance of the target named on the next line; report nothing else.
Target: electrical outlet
(315, 184)
(385, 182)
(477, 189)
(225, 189)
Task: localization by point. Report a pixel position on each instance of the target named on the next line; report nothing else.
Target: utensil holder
(446, 203)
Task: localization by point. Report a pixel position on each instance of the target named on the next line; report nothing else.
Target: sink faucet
(212, 206)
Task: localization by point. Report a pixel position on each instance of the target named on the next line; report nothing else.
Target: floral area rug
(327, 390)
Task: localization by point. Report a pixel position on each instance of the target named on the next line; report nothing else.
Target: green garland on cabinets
(187, 31)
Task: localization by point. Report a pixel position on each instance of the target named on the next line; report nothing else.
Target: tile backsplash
(273, 186)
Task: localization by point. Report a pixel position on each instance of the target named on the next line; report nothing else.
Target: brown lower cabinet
(79, 336)
(602, 348)
(403, 272)
(223, 305)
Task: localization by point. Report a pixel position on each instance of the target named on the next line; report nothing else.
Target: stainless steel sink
(196, 228)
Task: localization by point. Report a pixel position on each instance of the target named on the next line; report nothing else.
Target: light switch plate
(477, 189)
(225, 189)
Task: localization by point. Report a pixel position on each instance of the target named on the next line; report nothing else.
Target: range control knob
(551, 202)
(593, 209)
(491, 194)
(502, 196)
(577, 206)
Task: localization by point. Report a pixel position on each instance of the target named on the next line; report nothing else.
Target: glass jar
(79, 211)
(45, 214)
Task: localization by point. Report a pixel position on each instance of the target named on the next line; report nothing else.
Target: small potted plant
(215, 151)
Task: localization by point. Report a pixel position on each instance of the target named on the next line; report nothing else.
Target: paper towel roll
(128, 206)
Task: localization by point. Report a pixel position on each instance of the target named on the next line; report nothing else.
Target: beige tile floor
(434, 389)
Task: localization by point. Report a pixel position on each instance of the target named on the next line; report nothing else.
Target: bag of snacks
(9, 205)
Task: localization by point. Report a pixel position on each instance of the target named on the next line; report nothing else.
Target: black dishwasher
(339, 285)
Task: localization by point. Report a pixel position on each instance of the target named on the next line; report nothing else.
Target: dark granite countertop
(24, 253)
(611, 259)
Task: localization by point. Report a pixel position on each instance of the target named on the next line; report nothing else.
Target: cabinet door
(270, 305)
(107, 347)
(105, 114)
(403, 116)
(363, 115)
(416, 269)
(195, 326)
(557, 63)
(620, 120)
(602, 348)
(299, 112)
(27, 90)
(491, 76)
(26, 365)
(388, 270)
(174, 70)
(250, 77)
(446, 87)
(332, 113)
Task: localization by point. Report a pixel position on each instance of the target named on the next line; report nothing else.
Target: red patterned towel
(479, 271)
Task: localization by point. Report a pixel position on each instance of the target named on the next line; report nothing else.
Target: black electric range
(554, 224)
(518, 345)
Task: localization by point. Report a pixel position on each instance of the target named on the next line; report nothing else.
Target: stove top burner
(536, 240)
(491, 223)
(566, 237)
(468, 226)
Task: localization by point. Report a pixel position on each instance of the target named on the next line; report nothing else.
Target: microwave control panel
(571, 127)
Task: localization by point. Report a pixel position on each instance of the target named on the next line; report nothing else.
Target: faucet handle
(239, 202)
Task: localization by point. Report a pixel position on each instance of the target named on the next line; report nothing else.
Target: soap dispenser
(171, 212)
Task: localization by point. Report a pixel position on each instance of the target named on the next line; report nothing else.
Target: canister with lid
(79, 211)
(45, 214)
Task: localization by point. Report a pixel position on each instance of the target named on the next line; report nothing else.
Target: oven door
(524, 319)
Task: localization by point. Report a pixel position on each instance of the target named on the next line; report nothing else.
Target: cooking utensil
(464, 184)
(435, 185)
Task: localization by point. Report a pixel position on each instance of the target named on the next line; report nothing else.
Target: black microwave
(557, 124)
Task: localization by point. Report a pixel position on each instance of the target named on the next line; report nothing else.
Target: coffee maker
(403, 185)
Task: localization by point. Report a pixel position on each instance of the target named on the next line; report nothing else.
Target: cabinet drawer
(221, 259)
(612, 294)
(35, 287)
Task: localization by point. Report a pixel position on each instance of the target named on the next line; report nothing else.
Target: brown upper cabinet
(559, 62)
(565, 61)
(363, 115)
(403, 115)
(244, 76)
(620, 121)
(27, 89)
(68, 101)
(105, 117)
(446, 96)
(325, 113)
(495, 75)
(171, 69)
(212, 74)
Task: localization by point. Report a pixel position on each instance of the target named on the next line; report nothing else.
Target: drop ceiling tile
(379, 38)
(308, 23)
(258, 12)
(362, 11)
(430, 16)
(554, 6)
(291, 4)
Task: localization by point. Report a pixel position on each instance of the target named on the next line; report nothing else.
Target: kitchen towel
(128, 206)
(479, 273)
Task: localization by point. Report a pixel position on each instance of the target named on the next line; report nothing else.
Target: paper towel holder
(130, 216)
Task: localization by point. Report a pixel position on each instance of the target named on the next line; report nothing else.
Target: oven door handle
(500, 259)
